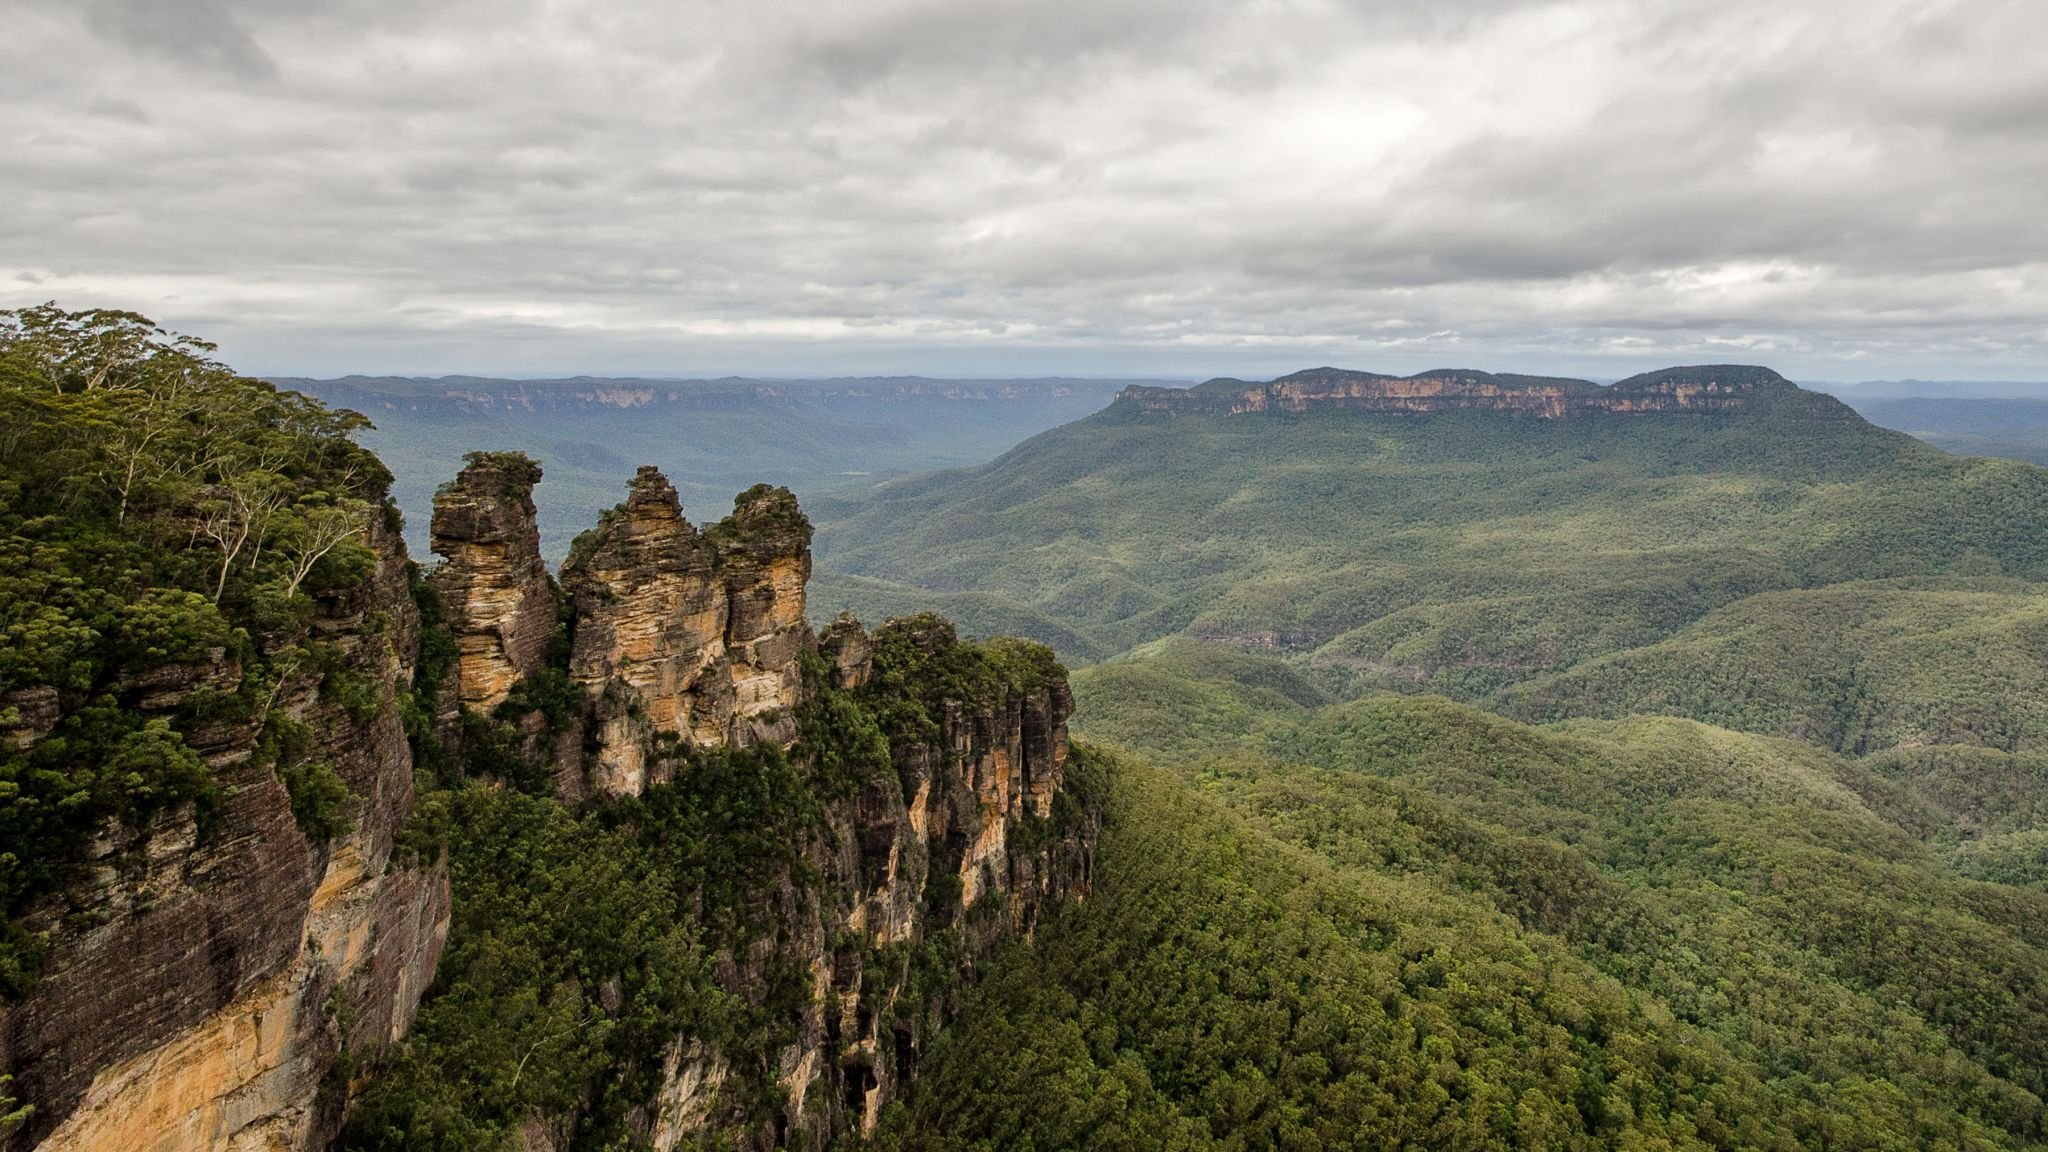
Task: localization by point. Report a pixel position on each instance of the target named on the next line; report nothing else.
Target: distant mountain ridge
(2014, 428)
(1711, 388)
(1377, 544)
(482, 393)
(711, 437)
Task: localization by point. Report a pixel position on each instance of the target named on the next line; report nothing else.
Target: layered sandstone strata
(501, 606)
(687, 637)
(203, 980)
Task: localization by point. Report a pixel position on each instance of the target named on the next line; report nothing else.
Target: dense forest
(1297, 958)
(1768, 875)
(1406, 923)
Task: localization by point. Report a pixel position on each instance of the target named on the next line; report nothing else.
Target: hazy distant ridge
(486, 393)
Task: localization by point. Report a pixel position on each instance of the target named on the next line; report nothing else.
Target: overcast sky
(1845, 189)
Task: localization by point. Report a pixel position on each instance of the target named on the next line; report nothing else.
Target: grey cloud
(118, 109)
(200, 32)
(1209, 186)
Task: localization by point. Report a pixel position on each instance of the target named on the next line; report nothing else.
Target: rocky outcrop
(687, 637)
(204, 973)
(764, 555)
(501, 605)
(649, 638)
(1711, 388)
(968, 840)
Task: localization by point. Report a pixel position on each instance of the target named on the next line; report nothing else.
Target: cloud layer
(1841, 187)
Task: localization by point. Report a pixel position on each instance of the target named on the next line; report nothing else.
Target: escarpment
(208, 970)
(1713, 388)
(844, 825)
(967, 836)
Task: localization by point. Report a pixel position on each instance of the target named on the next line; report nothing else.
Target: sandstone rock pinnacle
(649, 645)
(689, 636)
(500, 603)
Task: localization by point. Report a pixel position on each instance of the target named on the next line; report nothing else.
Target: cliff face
(1704, 389)
(958, 830)
(224, 981)
(209, 969)
(684, 636)
(501, 606)
(968, 841)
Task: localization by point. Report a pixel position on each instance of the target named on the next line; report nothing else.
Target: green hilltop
(1598, 564)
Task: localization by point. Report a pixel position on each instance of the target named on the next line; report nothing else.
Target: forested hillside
(157, 513)
(1405, 922)
(1529, 565)
(1449, 932)
(1770, 876)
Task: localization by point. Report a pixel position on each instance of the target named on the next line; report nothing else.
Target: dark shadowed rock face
(205, 980)
(501, 606)
(1711, 388)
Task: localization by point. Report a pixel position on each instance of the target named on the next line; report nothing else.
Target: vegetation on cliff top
(165, 527)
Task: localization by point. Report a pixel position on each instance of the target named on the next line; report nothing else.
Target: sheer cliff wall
(210, 967)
